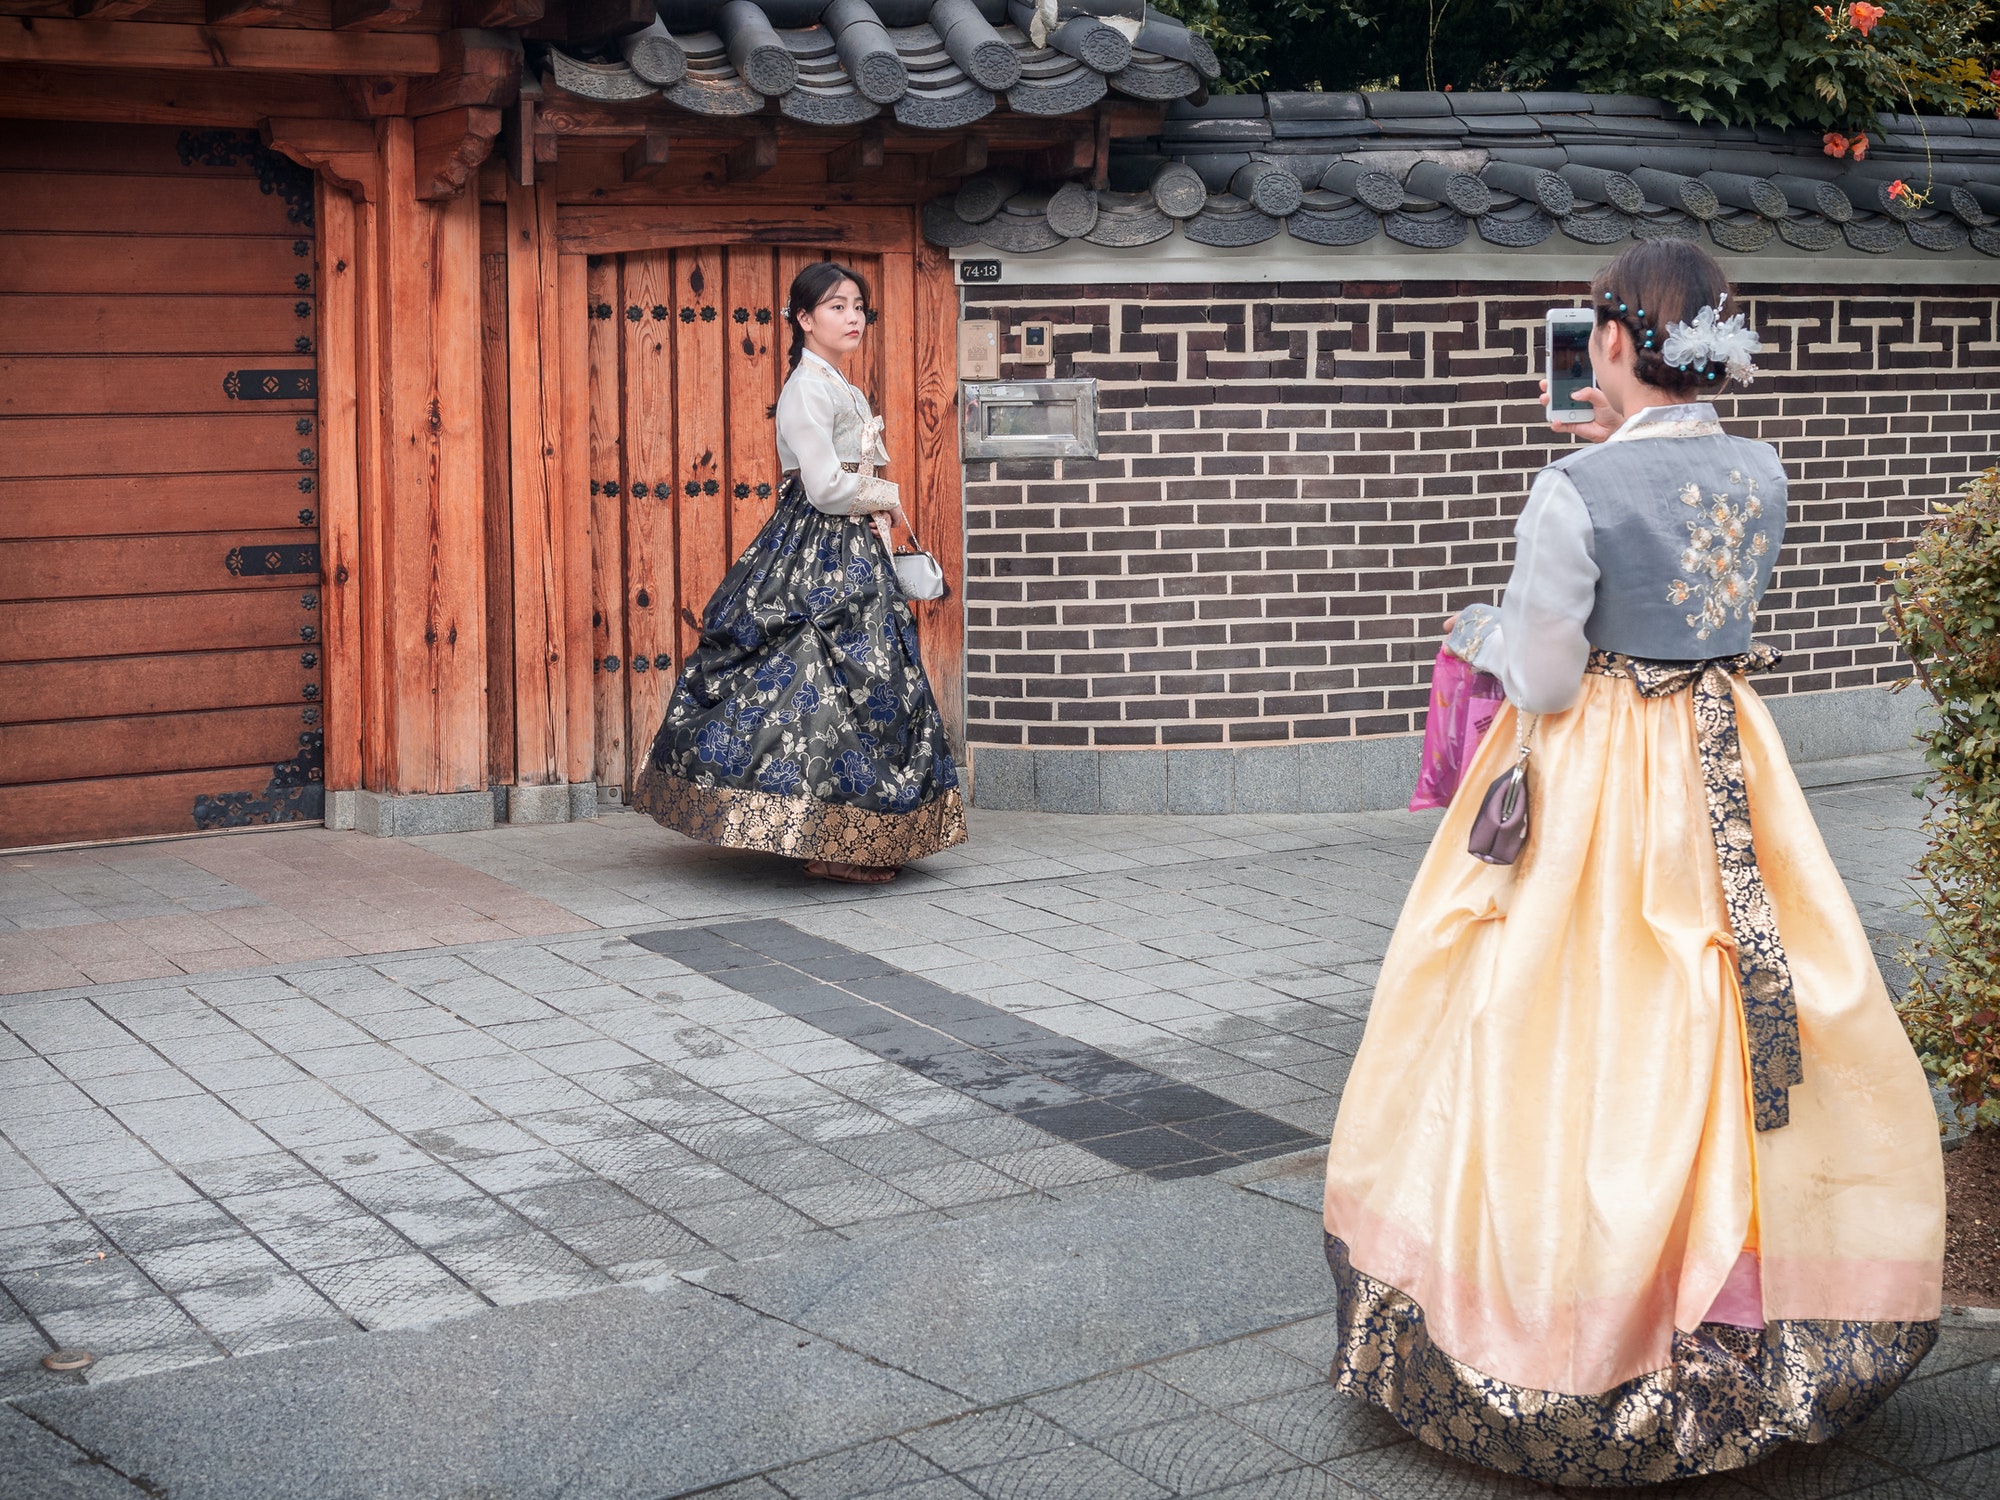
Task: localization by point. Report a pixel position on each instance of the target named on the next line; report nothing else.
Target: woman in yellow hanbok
(1636, 1175)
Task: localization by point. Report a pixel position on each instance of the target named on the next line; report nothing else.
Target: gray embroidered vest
(1686, 533)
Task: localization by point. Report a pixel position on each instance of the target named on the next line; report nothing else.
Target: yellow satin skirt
(1562, 1247)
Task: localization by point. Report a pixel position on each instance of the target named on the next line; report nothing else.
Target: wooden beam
(433, 542)
(379, 98)
(1066, 158)
(964, 157)
(374, 15)
(646, 158)
(521, 142)
(568, 345)
(449, 149)
(340, 482)
(341, 151)
(176, 99)
(103, 10)
(252, 12)
(147, 44)
(862, 154)
(939, 479)
(1100, 175)
(535, 479)
(754, 155)
(587, 230)
(496, 15)
(474, 67)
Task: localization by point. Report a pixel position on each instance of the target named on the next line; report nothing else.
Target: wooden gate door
(159, 542)
(687, 357)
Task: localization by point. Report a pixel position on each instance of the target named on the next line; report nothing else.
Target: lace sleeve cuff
(876, 494)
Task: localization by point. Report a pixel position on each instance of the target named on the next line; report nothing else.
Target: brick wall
(1297, 483)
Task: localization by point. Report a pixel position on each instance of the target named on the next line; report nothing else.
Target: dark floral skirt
(803, 724)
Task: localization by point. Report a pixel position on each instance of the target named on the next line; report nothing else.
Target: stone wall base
(1354, 775)
(387, 815)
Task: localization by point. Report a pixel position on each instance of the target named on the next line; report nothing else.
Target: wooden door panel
(127, 263)
(31, 387)
(124, 807)
(161, 640)
(701, 436)
(39, 691)
(753, 358)
(92, 567)
(609, 738)
(54, 446)
(129, 505)
(46, 630)
(651, 632)
(45, 201)
(80, 748)
(274, 327)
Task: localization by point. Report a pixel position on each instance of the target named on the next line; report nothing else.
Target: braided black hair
(812, 286)
(1652, 285)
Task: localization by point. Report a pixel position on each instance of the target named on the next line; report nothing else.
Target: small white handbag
(918, 573)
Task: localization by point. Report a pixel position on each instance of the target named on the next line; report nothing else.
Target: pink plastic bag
(1463, 703)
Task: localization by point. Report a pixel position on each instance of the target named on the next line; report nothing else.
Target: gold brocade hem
(1729, 1397)
(799, 827)
(1770, 1007)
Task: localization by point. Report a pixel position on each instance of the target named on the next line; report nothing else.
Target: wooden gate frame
(412, 452)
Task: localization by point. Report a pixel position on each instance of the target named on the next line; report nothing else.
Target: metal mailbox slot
(1030, 419)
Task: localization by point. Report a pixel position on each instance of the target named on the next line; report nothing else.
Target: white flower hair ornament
(1713, 340)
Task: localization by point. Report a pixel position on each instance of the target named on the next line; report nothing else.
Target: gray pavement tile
(345, 1061)
(953, 1184)
(131, 1191)
(1192, 1454)
(350, 1162)
(1056, 1166)
(987, 1437)
(292, 1207)
(521, 1268)
(649, 1238)
(415, 1187)
(851, 1201)
(484, 1140)
(455, 1221)
(1410, 1471)
(740, 1225)
(872, 1469)
(324, 1127)
(1931, 1422)
(308, 1247)
(395, 1291)
(690, 1186)
(1971, 1477)
(33, 1245)
(36, 1462)
(440, 1107)
(84, 1283)
(114, 1327)
(263, 1173)
(520, 1170)
(1294, 1484)
(797, 1167)
(588, 1123)
(129, 1364)
(1245, 1370)
(1817, 1471)
(179, 1268)
(885, 1153)
(235, 1310)
(1115, 1403)
(131, 1088)
(569, 1204)
(1077, 1473)
(1957, 1348)
(629, 1155)
(1316, 1423)
(166, 1225)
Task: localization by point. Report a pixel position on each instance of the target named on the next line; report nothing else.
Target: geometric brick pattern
(1298, 482)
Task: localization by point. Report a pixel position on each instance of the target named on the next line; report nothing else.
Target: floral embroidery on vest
(1721, 565)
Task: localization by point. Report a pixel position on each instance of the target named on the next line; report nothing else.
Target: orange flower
(1835, 144)
(1864, 17)
(1860, 147)
(1899, 189)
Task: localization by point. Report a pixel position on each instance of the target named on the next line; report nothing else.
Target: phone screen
(1569, 363)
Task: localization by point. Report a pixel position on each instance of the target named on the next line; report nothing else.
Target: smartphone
(1569, 330)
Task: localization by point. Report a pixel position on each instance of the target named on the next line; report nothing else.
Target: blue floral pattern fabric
(803, 724)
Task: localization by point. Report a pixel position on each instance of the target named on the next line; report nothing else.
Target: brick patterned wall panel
(1297, 483)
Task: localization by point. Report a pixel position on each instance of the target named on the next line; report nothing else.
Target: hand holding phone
(1569, 371)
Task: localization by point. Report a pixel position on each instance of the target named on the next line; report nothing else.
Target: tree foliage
(1945, 611)
(1770, 62)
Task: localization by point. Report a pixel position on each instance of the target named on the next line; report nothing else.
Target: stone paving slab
(291, 1168)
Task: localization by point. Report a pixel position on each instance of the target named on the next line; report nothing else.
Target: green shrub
(1945, 611)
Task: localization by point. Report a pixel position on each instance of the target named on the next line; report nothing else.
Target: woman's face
(839, 320)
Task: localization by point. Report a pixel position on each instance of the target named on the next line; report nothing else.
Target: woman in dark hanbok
(803, 724)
